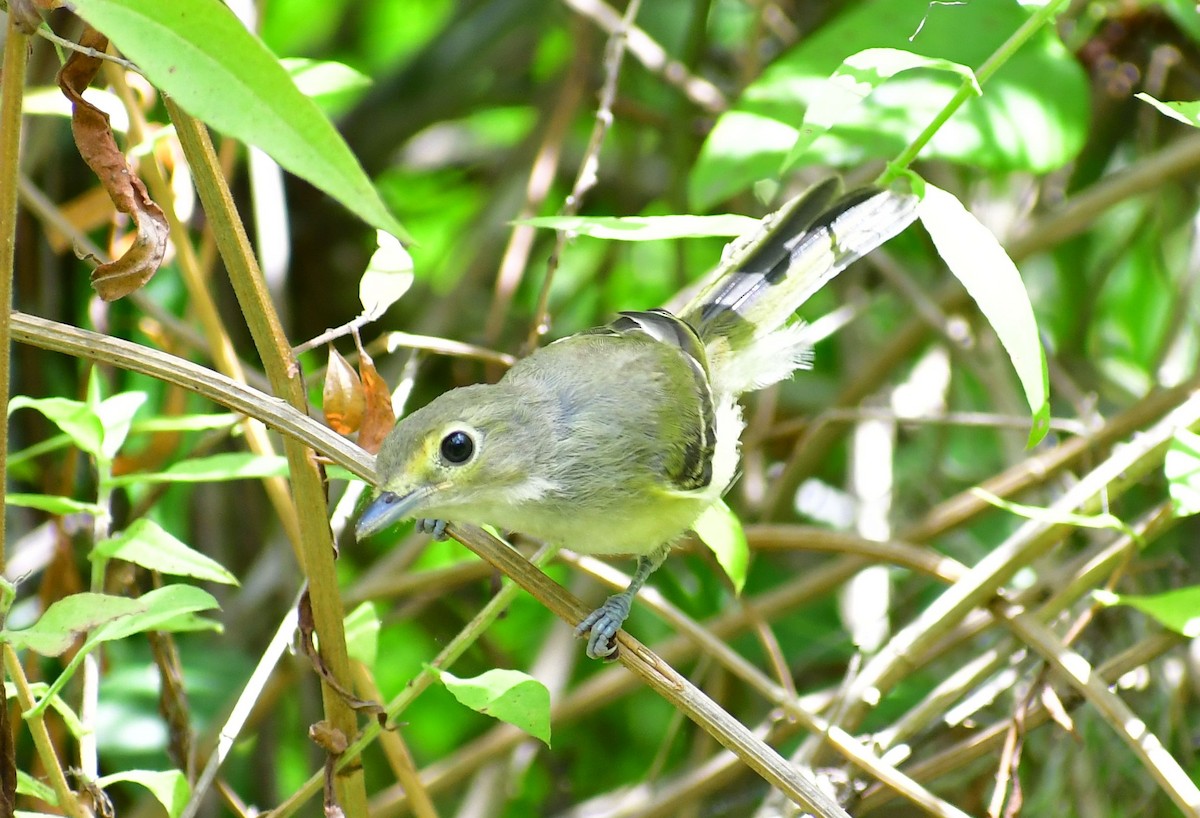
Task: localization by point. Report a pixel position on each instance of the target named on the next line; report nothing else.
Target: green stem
(967, 89)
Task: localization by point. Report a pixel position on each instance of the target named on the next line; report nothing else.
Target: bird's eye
(457, 447)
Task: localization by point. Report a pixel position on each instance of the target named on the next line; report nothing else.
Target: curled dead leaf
(379, 418)
(342, 395)
(98, 147)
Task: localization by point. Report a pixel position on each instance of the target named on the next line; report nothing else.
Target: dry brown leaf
(379, 418)
(94, 138)
(342, 396)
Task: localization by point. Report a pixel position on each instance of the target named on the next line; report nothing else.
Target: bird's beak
(384, 510)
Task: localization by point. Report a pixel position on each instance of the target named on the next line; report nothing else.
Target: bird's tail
(742, 309)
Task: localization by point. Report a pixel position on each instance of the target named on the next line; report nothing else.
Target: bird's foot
(434, 528)
(603, 624)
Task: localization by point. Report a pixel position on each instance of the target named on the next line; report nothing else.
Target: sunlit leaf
(170, 787)
(147, 544)
(647, 228)
(214, 468)
(68, 619)
(1178, 610)
(1182, 469)
(993, 281)
(389, 275)
(1186, 112)
(721, 530)
(199, 53)
(54, 504)
(508, 695)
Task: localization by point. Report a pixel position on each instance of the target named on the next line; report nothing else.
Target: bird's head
(466, 456)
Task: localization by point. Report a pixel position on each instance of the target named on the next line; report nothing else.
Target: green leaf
(1033, 116)
(163, 609)
(362, 634)
(324, 78)
(217, 467)
(1046, 515)
(187, 423)
(1186, 112)
(70, 617)
(1178, 610)
(55, 504)
(721, 530)
(116, 414)
(69, 717)
(74, 417)
(647, 228)
(1182, 469)
(854, 80)
(170, 787)
(993, 281)
(389, 275)
(508, 695)
(28, 785)
(198, 52)
(147, 544)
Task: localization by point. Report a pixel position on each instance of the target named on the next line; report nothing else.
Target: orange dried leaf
(379, 418)
(98, 147)
(342, 396)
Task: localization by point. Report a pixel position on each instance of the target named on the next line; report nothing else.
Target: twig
(586, 178)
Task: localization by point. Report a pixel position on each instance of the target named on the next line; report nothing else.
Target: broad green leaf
(70, 617)
(74, 417)
(389, 275)
(1182, 470)
(1178, 610)
(1033, 115)
(147, 544)
(508, 695)
(854, 80)
(362, 634)
(993, 281)
(217, 467)
(170, 787)
(721, 530)
(116, 414)
(198, 52)
(1186, 112)
(162, 609)
(55, 504)
(647, 228)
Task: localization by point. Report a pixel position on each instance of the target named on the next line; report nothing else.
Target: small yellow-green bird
(615, 440)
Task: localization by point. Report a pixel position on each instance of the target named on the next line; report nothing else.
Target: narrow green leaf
(647, 228)
(1182, 469)
(55, 504)
(1178, 610)
(721, 530)
(70, 617)
(1046, 515)
(322, 78)
(28, 785)
(362, 634)
(989, 275)
(854, 80)
(69, 717)
(187, 423)
(215, 468)
(147, 544)
(170, 787)
(508, 695)
(74, 417)
(389, 275)
(198, 52)
(1186, 112)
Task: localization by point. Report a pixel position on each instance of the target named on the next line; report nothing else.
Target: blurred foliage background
(477, 113)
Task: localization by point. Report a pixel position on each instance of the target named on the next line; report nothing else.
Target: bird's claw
(602, 625)
(434, 528)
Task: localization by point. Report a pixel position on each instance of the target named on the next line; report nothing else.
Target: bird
(615, 440)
